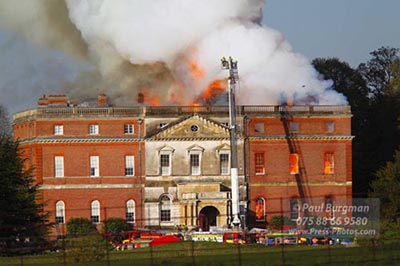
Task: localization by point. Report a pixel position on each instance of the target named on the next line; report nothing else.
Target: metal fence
(90, 250)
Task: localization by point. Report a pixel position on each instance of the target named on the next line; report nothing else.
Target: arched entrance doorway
(208, 217)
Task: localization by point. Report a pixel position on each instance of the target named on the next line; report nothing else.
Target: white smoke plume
(171, 49)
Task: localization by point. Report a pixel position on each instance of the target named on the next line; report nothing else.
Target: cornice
(78, 140)
(302, 137)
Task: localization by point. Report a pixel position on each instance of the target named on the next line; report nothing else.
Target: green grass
(216, 254)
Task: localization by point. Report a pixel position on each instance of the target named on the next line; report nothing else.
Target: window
(294, 209)
(328, 204)
(129, 165)
(130, 211)
(260, 163)
(294, 127)
(95, 212)
(59, 166)
(225, 124)
(94, 166)
(224, 163)
(60, 212)
(93, 129)
(329, 127)
(165, 164)
(294, 163)
(260, 209)
(165, 209)
(194, 128)
(58, 130)
(329, 164)
(162, 125)
(128, 129)
(195, 164)
(259, 127)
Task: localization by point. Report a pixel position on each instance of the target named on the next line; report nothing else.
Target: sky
(346, 29)
(35, 59)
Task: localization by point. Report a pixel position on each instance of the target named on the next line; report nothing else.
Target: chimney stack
(102, 100)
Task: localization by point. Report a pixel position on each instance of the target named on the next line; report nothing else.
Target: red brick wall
(77, 202)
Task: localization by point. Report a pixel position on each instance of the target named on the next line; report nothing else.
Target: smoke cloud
(169, 49)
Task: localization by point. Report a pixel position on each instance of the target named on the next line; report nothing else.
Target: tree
(381, 74)
(5, 124)
(352, 84)
(386, 187)
(22, 219)
(345, 79)
(378, 71)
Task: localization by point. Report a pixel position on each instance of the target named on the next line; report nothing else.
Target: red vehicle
(137, 239)
(235, 237)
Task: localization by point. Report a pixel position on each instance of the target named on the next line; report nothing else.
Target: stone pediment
(194, 127)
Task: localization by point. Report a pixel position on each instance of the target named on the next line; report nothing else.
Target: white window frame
(129, 129)
(195, 163)
(94, 166)
(256, 165)
(60, 212)
(129, 165)
(58, 130)
(165, 209)
(130, 212)
(195, 150)
(165, 169)
(222, 169)
(58, 166)
(95, 212)
(93, 129)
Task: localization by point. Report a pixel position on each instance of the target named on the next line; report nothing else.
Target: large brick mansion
(169, 166)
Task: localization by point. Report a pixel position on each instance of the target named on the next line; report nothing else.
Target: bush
(115, 225)
(276, 222)
(79, 226)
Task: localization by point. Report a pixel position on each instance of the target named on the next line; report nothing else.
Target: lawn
(203, 253)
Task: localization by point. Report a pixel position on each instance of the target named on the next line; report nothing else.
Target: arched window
(260, 209)
(165, 209)
(130, 211)
(60, 212)
(294, 209)
(95, 212)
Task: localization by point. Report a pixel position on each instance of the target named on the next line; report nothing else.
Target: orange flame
(196, 70)
(213, 89)
(148, 98)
